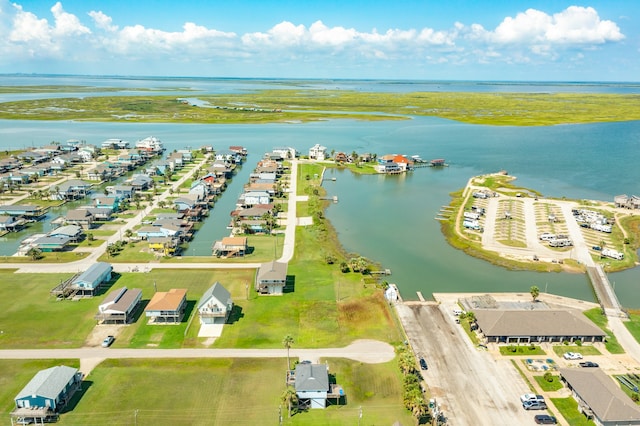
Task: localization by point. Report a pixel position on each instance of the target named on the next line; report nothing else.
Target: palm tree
(535, 292)
(290, 398)
(128, 233)
(34, 253)
(287, 342)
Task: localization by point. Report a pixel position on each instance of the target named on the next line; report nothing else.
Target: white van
(457, 311)
(547, 236)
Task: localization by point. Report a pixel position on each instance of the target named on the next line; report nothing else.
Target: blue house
(91, 279)
(50, 389)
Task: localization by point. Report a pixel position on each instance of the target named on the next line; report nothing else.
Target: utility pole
(360, 415)
(135, 417)
(280, 415)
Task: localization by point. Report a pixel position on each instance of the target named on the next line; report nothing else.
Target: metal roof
(94, 273)
(218, 292)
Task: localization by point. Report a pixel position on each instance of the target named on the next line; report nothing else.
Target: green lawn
(569, 409)
(633, 325)
(229, 391)
(31, 318)
(521, 350)
(600, 320)
(584, 349)
(551, 386)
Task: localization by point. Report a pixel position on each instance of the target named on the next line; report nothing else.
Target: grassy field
(600, 320)
(584, 349)
(228, 391)
(520, 109)
(521, 350)
(569, 409)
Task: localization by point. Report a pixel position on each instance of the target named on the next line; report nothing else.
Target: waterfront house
(10, 223)
(92, 279)
(230, 247)
(29, 211)
(534, 326)
(254, 197)
(50, 244)
(150, 144)
(165, 245)
(74, 232)
(72, 189)
(167, 307)
(140, 182)
(123, 191)
(111, 202)
(119, 306)
(47, 393)
(186, 202)
(238, 149)
(318, 152)
(627, 202)
(271, 278)
(101, 172)
(600, 398)
(215, 305)
(80, 217)
(147, 232)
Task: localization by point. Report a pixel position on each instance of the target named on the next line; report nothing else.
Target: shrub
(578, 342)
(548, 376)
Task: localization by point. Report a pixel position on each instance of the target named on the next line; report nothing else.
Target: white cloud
(66, 24)
(518, 39)
(103, 21)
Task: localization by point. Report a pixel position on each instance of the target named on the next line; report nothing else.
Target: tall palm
(287, 342)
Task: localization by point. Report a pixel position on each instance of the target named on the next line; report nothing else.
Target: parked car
(423, 364)
(588, 364)
(572, 355)
(545, 419)
(534, 405)
(108, 341)
(531, 397)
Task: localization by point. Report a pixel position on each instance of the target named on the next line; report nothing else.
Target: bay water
(390, 219)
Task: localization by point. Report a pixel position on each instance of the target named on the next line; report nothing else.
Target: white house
(256, 197)
(312, 383)
(318, 152)
(215, 305)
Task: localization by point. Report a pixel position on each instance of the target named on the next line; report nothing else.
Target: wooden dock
(605, 293)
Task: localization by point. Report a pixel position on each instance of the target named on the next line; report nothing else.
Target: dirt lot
(471, 387)
(101, 331)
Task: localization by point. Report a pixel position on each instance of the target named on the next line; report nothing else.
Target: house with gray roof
(119, 306)
(215, 305)
(74, 232)
(49, 390)
(312, 385)
(538, 325)
(271, 278)
(600, 398)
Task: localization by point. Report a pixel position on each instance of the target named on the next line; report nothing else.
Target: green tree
(287, 342)
(535, 292)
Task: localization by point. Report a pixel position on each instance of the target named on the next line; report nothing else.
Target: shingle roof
(167, 301)
(605, 398)
(272, 271)
(217, 291)
(541, 322)
(312, 377)
(48, 383)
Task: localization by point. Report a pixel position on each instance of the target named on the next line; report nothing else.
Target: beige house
(167, 307)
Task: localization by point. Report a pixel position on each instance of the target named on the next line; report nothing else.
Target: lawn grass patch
(560, 350)
(521, 350)
(547, 386)
(633, 325)
(599, 318)
(568, 407)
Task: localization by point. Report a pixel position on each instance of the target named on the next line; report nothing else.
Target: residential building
(271, 278)
(215, 305)
(119, 306)
(93, 278)
(311, 382)
(47, 393)
(318, 152)
(230, 247)
(167, 307)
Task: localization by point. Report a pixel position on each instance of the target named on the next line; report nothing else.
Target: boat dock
(445, 213)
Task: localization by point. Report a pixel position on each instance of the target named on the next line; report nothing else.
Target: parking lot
(470, 386)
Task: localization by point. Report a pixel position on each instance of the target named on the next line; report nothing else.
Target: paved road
(471, 387)
(364, 350)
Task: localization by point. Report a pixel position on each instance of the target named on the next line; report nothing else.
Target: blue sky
(401, 39)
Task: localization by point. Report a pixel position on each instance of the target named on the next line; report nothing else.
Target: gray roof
(312, 377)
(605, 398)
(272, 271)
(69, 230)
(121, 299)
(538, 322)
(218, 292)
(94, 273)
(48, 383)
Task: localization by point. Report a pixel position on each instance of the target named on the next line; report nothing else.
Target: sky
(496, 40)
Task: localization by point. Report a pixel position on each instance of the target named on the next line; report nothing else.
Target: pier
(604, 292)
